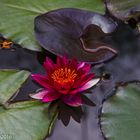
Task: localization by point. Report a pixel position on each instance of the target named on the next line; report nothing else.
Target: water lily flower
(65, 80)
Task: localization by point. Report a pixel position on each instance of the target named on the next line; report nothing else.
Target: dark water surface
(125, 67)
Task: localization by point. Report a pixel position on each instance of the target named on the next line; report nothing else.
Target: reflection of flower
(65, 81)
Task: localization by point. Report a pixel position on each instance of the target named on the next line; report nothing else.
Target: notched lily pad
(76, 33)
(26, 121)
(10, 82)
(120, 119)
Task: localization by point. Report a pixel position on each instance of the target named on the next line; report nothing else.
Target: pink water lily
(65, 80)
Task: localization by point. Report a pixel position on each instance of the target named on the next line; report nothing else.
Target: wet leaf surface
(10, 83)
(76, 33)
(16, 17)
(121, 114)
(124, 67)
(124, 9)
(26, 121)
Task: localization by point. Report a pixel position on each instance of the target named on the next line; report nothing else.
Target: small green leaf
(17, 17)
(26, 120)
(10, 82)
(120, 119)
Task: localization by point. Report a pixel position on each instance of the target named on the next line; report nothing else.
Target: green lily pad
(120, 119)
(26, 120)
(10, 82)
(17, 17)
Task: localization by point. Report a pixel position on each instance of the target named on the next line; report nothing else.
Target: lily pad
(26, 120)
(17, 17)
(76, 33)
(10, 83)
(124, 9)
(120, 119)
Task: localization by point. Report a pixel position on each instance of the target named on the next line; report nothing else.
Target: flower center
(64, 75)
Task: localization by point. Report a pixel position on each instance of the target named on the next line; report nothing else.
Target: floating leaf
(26, 120)
(76, 33)
(16, 17)
(124, 9)
(10, 82)
(120, 119)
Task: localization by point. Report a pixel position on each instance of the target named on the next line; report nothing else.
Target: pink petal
(48, 64)
(51, 96)
(81, 65)
(39, 95)
(90, 84)
(59, 61)
(73, 63)
(73, 100)
(64, 60)
(83, 80)
(62, 89)
(42, 80)
(86, 68)
(86, 86)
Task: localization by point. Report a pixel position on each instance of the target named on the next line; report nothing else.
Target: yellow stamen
(64, 75)
(6, 44)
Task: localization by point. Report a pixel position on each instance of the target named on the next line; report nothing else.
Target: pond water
(125, 67)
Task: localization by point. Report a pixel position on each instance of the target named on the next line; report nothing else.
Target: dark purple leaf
(75, 33)
(87, 101)
(65, 112)
(124, 9)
